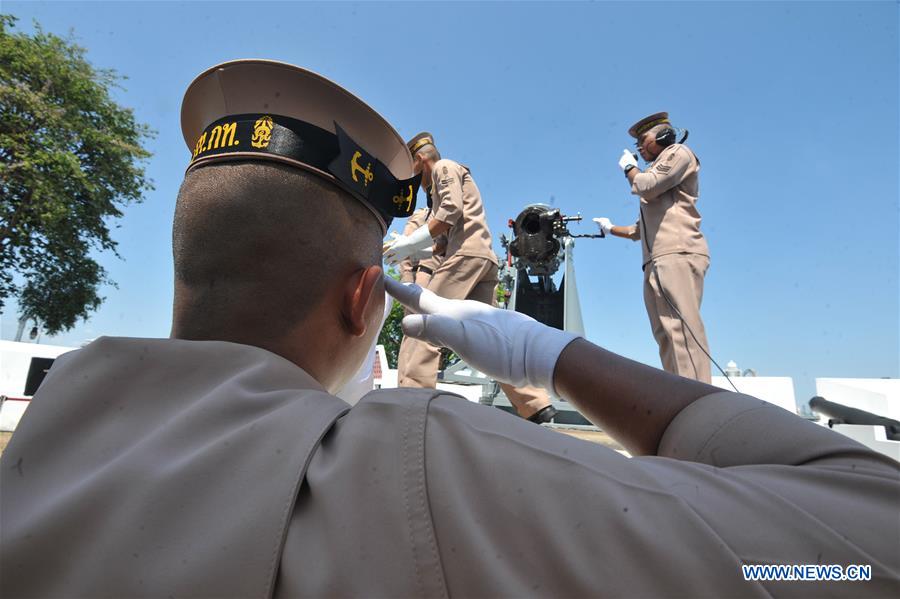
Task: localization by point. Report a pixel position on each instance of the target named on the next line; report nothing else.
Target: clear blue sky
(792, 108)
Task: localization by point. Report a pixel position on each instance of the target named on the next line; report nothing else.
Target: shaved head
(258, 246)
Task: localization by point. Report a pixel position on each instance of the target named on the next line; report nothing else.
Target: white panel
(572, 321)
(15, 359)
(10, 413)
(778, 390)
(873, 437)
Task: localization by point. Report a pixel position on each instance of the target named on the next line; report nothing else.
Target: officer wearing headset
(675, 254)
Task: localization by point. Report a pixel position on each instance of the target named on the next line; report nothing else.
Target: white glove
(627, 160)
(604, 224)
(415, 256)
(422, 254)
(505, 345)
(405, 246)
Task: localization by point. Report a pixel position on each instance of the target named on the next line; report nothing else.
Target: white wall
(11, 412)
(388, 379)
(15, 358)
(873, 437)
(778, 390)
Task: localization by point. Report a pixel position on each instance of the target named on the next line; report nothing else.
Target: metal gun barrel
(841, 414)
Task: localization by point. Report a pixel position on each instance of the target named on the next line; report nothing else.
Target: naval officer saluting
(217, 462)
(675, 253)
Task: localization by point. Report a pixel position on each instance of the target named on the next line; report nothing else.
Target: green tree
(70, 161)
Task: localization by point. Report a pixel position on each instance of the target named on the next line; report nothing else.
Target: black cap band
(357, 171)
(649, 125)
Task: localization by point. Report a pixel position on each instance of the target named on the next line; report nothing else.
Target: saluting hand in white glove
(405, 246)
(604, 224)
(506, 345)
(627, 159)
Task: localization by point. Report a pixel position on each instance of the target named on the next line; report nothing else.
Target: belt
(425, 269)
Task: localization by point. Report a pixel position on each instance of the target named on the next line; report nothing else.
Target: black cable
(672, 305)
(688, 327)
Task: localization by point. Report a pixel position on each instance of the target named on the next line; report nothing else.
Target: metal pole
(22, 323)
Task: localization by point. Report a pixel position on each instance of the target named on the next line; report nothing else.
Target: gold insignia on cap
(420, 144)
(647, 126)
(220, 136)
(399, 199)
(647, 123)
(367, 173)
(262, 132)
(231, 110)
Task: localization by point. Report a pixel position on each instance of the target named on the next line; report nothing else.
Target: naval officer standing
(217, 462)
(418, 268)
(469, 269)
(675, 253)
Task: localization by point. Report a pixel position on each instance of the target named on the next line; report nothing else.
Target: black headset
(666, 137)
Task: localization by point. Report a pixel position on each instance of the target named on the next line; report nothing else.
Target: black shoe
(543, 415)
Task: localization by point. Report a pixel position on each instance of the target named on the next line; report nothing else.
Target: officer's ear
(361, 289)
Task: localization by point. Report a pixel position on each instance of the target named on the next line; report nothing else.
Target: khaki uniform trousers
(680, 278)
(459, 277)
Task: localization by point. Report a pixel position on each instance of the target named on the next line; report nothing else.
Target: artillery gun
(542, 247)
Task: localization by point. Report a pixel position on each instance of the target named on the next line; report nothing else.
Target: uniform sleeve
(634, 231)
(521, 510)
(729, 429)
(448, 189)
(667, 172)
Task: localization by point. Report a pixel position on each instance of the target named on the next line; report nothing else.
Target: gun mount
(539, 232)
(541, 247)
(541, 244)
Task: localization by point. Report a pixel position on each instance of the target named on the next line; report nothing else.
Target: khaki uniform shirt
(418, 218)
(669, 190)
(157, 468)
(457, 201)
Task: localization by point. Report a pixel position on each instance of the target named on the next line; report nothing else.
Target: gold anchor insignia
(399, 199)
(262, 132)
(367, 173)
